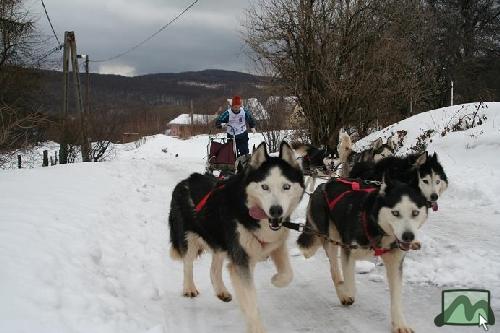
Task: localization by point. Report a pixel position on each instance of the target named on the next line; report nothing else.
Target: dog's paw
(256, 328)
(308, 252)
(345, 297)
(402, 329)
(225, 296)
(190, 292)
(281, 280)
(415, 245)
(347, 300)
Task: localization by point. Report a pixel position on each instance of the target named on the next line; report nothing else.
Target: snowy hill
(84, 247)
(460, 238)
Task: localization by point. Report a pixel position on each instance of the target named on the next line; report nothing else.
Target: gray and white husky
(239, 219)
(368, 221)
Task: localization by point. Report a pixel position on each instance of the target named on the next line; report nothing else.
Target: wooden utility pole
(87, 88)
(451, 97)
(79, 101)
(191, 109)
(63, 141)
(70, 51)
(85, 111)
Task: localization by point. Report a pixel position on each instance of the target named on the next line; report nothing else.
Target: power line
(148, 38)
(50, 22)
(52, 51)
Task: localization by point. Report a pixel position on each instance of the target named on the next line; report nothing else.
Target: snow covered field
(84, 247)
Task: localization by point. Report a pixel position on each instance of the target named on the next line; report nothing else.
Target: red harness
(203, 202)
(356, 187)
(199, 206)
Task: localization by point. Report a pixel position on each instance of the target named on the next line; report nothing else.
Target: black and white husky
(313, 157)
(239, 219)
(422, 169)
(381, 221)
(316, 162)
(374, 153)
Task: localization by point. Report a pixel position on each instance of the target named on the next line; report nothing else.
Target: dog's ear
(377, 144)
(241, 163)
(435, 156)
(253, 149)
(391, 143)
(386, 183)
(259, 156)
(342, 132)
(421, 159)
(288, 155)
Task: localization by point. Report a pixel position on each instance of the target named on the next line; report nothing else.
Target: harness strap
(356, 187)
(199, 206)
(378, 250)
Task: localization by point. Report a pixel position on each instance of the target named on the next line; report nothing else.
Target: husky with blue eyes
(422, 169)
(366, 221)
(239, 219)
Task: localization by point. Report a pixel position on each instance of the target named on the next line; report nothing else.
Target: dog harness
(202, 203)
(199, 206)
(356, 187)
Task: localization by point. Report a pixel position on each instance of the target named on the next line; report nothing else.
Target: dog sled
(222, 156)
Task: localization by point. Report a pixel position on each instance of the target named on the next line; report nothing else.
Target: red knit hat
(236, 101)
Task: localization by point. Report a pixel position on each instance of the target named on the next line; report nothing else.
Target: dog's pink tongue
(257, 213)
(435, 206)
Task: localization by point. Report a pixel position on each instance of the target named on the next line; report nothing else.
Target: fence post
(45, 162)
(19, 161)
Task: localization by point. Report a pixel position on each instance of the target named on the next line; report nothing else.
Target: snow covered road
(84, 248)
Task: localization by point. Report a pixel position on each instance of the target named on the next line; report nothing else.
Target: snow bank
(460, 240)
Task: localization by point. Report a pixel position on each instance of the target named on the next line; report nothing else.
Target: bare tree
(15, 128)
(349, 62)
(273, 121)
(21, 119)
(16, 32)
(103, 127)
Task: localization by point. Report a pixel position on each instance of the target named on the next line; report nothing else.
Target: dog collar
(261, 242)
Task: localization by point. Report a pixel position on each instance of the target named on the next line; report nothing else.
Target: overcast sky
(207, 36)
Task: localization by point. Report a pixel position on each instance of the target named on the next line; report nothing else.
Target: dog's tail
(296, 144)
(181, 212)
(344, 149)
(307, 242)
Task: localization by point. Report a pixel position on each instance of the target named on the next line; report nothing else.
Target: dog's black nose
(434, 197)
(408, 236)
(275, 211)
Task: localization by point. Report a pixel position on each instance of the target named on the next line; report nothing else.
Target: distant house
(185, 126)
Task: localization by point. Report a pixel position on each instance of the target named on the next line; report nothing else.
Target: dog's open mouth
(259, 214)
(433, 205)
(275, 224)
(405, 246)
